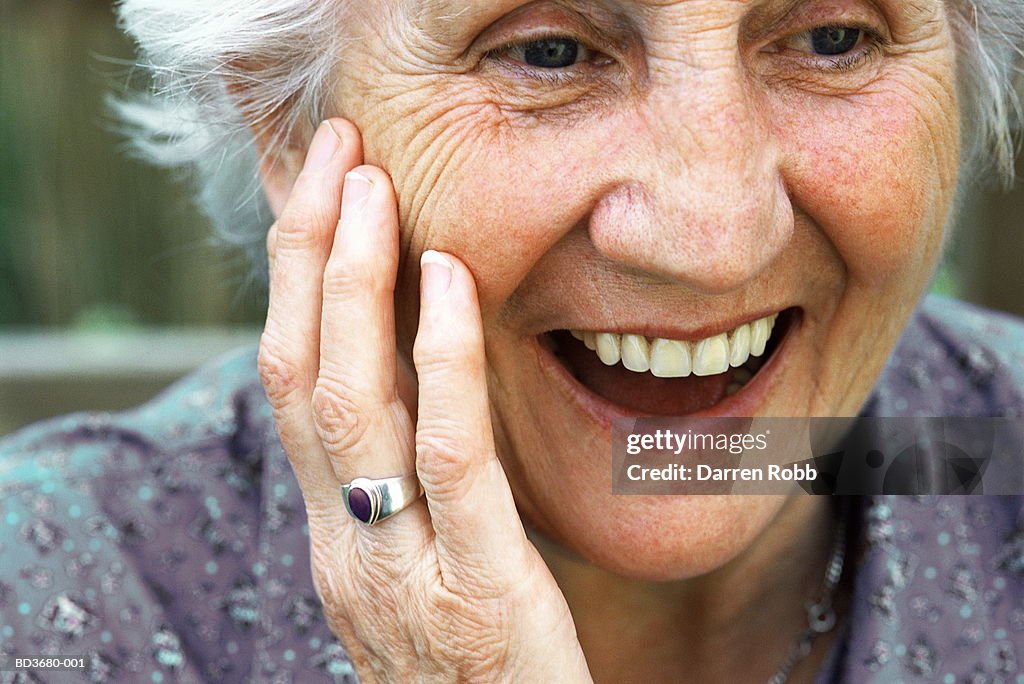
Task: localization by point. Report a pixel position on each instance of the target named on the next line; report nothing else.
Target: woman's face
(669, 170)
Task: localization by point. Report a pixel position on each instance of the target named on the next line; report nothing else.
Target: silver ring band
(370, 501)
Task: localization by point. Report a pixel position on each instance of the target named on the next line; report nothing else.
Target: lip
(744, 403)
(672, 333)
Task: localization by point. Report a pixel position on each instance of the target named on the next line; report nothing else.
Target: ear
(277, 174)
(280, 160)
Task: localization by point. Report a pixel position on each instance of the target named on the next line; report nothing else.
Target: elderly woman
(497, 227)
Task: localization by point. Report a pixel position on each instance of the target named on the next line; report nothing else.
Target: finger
(360, 417)
(479, 535)
(363, 423)
(289, 347)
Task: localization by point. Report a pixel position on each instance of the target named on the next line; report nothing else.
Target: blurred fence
(109, 284)
(89, 236)
(52, 372)
(91, 240)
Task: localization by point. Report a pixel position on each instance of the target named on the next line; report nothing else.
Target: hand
(449, 588)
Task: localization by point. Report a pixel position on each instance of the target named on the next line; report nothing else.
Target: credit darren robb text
(817, 456)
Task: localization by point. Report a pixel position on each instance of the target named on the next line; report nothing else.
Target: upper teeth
(667, 358)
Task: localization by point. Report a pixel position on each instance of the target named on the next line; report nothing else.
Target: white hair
(989, 34)
(225, 72)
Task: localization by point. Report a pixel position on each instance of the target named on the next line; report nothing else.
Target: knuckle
(304, 223)
(443, 356)
(279, 376)
(352, 278)
(339, 419)
(439, 456)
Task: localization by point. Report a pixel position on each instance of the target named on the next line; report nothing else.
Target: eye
(827, 41)
(834, 40)
(549, 53)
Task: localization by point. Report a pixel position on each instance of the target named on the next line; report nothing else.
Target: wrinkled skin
(702, 168)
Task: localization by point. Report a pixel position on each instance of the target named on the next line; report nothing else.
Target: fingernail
(325, 143)
(436, 273)
(354, 195)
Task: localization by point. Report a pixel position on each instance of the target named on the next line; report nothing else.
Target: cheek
(501, 212)
(498, 200)
(876, 174)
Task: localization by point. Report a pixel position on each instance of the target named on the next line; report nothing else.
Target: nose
(702, 199)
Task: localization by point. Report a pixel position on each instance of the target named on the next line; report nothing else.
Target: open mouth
(658, 376)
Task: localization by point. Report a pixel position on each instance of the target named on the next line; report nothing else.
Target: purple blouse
(169, 544)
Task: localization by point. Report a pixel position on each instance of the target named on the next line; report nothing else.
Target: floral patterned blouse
(169, 543)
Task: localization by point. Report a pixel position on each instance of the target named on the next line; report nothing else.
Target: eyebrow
(436, 14)
(780, 9)
(445, 20)
(441, 22)
(447, 10)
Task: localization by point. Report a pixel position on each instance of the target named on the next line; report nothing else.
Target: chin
(667, 538)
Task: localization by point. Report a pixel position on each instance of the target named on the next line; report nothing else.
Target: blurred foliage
(88, 236)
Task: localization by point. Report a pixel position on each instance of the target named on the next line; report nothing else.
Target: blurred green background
(89, 236)
(110, 285)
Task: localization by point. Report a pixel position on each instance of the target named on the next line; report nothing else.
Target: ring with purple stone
(370, 501)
